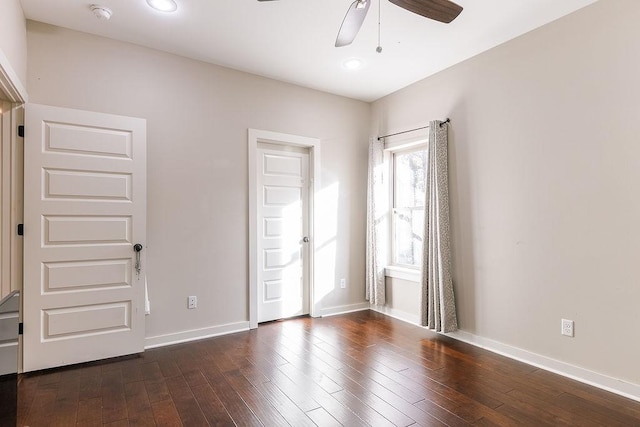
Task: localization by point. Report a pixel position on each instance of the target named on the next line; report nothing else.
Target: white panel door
(84, 209)
(283, 182)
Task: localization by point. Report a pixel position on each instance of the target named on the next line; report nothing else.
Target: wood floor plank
(298, 393)
(258, 404)
(90, 383)
(211, 406)
(195, 378)
(337, 408)
(89, 412)
(372, 400)
(526, 411)
(315, 372)
(166, 414)
(157, 390)
(138, 406)
(185, 403)
(151, 371)
(131, 371)
(551, 405)
(610, 400)
(67, 398)
(43, 406)
(362, 410)
(169, 368)
(252, 373)
(285, 406)
(353, 370)
(382, 382)
(447, 417)
(114, 407)
(27, 387)
(397, 402)
(233, 403)
(596, 411)
(321, 417)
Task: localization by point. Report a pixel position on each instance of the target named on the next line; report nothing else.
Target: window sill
(408, 274)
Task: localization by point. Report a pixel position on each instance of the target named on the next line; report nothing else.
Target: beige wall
(197, 120)
(403, 296)
(545, 177)
(13, 37)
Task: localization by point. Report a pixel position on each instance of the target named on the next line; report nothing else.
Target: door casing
(11, 144)
(255, 137)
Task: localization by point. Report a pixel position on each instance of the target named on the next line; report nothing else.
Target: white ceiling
(293, 40)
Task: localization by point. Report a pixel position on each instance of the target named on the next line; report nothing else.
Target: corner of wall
(13, 49)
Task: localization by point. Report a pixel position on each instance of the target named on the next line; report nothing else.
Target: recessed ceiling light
(163, 5)
(352, 64)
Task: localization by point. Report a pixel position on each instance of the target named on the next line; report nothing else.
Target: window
(407, 224)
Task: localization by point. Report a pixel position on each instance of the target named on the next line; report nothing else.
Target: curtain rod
(412, 130)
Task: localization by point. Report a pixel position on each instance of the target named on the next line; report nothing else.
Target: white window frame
(393, 270)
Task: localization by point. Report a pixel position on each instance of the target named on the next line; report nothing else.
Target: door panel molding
(84, 208)
(256, 137)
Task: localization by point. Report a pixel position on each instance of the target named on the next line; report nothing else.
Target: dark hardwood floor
(353, 370)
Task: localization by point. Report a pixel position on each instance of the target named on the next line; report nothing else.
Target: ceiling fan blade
(439, 10)
(352, 22)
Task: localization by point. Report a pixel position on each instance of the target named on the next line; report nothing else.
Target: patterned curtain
(377, 214)
(438, 307)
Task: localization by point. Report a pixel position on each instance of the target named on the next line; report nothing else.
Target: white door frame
(11, 192)
(11, 115)
(313, 144)
(10, 83)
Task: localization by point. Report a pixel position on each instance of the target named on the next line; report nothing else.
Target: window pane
(409, 227)
(409, 180)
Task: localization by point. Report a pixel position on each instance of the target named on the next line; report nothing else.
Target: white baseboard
(623, 388)
(194, 334)
(343, 309)
(397, 314)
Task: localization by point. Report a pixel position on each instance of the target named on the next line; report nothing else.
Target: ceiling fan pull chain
(379, 48)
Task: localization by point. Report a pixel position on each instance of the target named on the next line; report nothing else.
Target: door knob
(138, 266)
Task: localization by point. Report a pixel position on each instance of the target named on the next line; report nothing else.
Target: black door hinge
(21, 131)
(20, 229)
(20, 328)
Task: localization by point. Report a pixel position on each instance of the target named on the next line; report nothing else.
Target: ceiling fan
(440, 10)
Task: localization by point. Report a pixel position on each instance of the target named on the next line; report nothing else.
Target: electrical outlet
(567, 327)
(192, 302)
(343, 283)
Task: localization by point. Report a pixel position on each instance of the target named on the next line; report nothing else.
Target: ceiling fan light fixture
(163, 5)
(352, 64)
